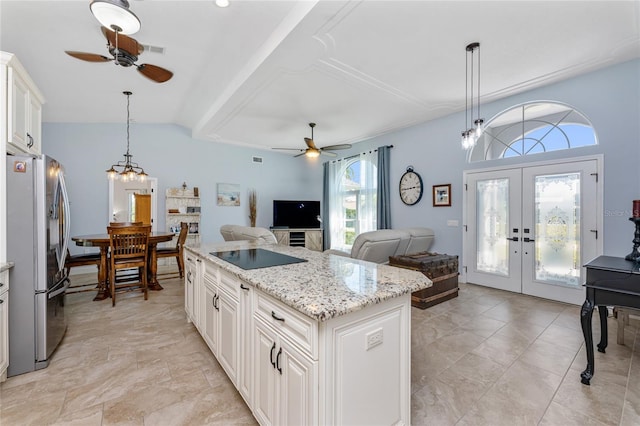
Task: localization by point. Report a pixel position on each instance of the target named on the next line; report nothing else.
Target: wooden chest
(442, 269)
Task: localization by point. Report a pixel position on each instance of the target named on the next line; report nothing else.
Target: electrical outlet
(452, 223)
(373, 338)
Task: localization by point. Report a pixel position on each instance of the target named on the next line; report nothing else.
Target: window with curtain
(353, 185)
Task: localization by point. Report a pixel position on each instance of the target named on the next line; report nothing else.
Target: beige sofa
(377, 246)
(238, 232)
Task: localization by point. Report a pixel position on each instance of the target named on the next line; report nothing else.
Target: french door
(530, 229)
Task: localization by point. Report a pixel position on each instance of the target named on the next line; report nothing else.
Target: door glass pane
(492, 207)
(557, 224)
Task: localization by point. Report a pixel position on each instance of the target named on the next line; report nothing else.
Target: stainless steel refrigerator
(37, 239)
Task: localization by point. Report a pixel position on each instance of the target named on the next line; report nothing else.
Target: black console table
(611, 281)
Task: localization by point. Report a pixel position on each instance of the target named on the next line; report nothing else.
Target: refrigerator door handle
(66, 221)
(60, 288)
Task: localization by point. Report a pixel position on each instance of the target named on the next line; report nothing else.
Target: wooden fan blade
(339, 146)
(155, 73)
(125, 43)
(89, 57)
(330, 154)
(301, 154)
(289, 149)
(310, 143)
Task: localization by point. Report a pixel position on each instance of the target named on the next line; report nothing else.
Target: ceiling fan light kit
(312, 151)
(127, 170)
(474, 131)
(115, 14)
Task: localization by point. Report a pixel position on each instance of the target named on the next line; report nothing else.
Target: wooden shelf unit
(309, 238)
(178, 204)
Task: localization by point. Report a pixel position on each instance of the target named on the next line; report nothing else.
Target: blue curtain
(326, 233)
(384, 188)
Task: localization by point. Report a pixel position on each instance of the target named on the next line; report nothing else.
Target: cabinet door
(281, 236)
(245, 377)
(313, 240)
(4, 334)
(18, 110)
(189, 283)
(34, 129)
(228, 335)
(209, 316)
(264, 373)
(297, 394)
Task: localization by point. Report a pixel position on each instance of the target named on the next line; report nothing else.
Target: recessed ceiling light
(222, 3)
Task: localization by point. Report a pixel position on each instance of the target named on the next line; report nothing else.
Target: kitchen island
(324, 340)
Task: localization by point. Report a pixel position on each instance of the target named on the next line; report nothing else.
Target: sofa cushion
(377, 246)
(420, 240)
(238, 232)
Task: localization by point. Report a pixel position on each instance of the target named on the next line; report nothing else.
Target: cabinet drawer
(211, 272)
(301, 330)
(230, 284)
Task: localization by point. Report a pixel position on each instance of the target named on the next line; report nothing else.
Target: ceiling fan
(313, 151)
(125, 51)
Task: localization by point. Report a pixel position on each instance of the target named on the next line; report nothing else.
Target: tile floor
(485, 358)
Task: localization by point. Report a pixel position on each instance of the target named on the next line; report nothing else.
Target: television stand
(310, 238)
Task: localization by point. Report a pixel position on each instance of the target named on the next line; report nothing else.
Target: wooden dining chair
(176, 251)
(126, 275)
(128, 248)
(84, 259)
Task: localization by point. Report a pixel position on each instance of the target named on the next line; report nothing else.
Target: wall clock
(410, 187)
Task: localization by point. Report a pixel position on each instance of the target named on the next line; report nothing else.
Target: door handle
(278, 361)
(243, 287)
(528, 240)
(275, 317)
(271, 355)
(513, 239)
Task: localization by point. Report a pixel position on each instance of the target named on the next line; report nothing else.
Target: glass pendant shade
(115, 15)
(476, 127)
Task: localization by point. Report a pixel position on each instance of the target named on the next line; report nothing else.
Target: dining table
(102, 241)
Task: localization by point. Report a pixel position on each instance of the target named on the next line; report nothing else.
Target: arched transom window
(533, 128)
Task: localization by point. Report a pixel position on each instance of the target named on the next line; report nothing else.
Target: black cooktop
(256, 258)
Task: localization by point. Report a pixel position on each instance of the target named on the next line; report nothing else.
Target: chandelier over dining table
(127, 170)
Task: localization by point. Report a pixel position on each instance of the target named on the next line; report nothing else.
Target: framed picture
(442, 195)
(228, 194)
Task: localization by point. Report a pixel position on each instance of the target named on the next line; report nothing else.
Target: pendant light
(474, 131)
(127, 170)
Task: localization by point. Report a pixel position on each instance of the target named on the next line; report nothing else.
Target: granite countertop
(326, 286)
(5, 266)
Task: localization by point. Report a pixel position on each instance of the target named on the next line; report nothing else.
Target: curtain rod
(356, 155)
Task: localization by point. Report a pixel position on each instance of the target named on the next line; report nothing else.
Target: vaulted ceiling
(257, 72)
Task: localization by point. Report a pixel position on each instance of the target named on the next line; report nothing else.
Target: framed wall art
(442, 195)
(228, 194)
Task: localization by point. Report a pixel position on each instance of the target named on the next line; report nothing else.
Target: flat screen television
(296, 214)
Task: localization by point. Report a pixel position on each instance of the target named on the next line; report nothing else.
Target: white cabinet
(192, 280)
(245, 358)
(23, 102)
(308, 238)
(285, 380)
(4, 324)
(219, 318)
(209, 316)
(274, 354)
